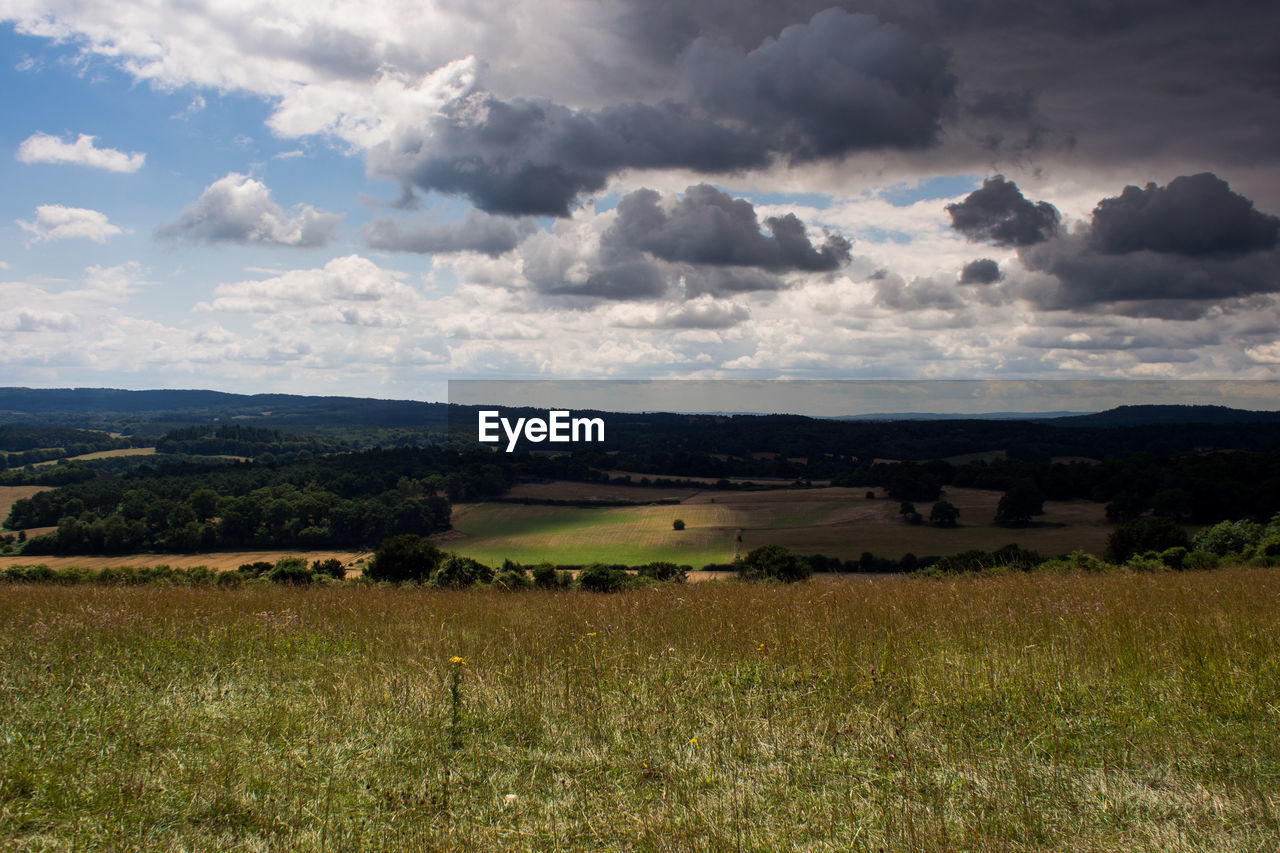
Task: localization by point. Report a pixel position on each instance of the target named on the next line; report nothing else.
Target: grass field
(222, 561)
(833, 521)
(101, 454)
(1025, 712)
(10, 494)
(565, 490)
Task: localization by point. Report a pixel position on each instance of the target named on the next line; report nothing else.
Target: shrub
(1077, 561)
(406, 557)
(1174, 558)
(678, 524)
(661, 571)
(457, 572)
(331, 567)
(773, 562)
(598, 577)
(255, 569)
(512, 578)
(230, 580)
(1228, 537)
(1201, 560)
(1145, 564)
(544, 576)
(291, 570)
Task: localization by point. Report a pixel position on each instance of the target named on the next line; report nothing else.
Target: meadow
(1011, 712)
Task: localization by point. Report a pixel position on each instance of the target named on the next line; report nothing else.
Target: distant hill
(953, 416)
(1149, 415)
(94, 406)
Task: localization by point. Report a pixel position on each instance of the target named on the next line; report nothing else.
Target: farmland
(833, 521)
(101, 454)
(1017, 712)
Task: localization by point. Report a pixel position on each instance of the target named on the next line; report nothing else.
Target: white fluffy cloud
(351, 290)
(44, 148)
(238, 209)
(56, 222)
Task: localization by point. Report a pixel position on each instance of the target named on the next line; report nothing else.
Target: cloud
(1171, 252)
(475, 232)
(647, 249)
(894, 293)
(56, 222)
(537, 157)
(836, 84)
(43, 148)
(708, 226)
(983, 271)
(703, 312)
(88, 302)
(351, 290)
(238, 209)
(1195, 215)
(998, 213)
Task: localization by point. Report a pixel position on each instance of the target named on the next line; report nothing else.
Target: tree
(1020, 504)
(1147, 533)
(1229, 537)
(944, 514)
(678, 524)
(404, 558)
(773, 562)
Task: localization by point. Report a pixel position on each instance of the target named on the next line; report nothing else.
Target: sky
(374, 198)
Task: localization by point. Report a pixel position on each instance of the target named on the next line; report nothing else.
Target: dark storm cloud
(476, 232)
(622, 279)
(839, 84)
(1196, 215)
(982, 271)
(1009, 105)
(536, 157)
(637, 277)
(708, 226)
(998, 213)
(1171, 252)
(719, 281)
(1109, 81)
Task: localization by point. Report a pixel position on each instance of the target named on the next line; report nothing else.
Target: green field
(564, 535)
(1125, 712)
(833, 521)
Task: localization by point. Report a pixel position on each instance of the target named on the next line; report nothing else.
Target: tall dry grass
(1122, 712)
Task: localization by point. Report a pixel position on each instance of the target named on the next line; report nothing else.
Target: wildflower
(457, 661)
(693, 740)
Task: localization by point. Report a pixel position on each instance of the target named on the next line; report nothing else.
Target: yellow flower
(693, 740)
(457, 661)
